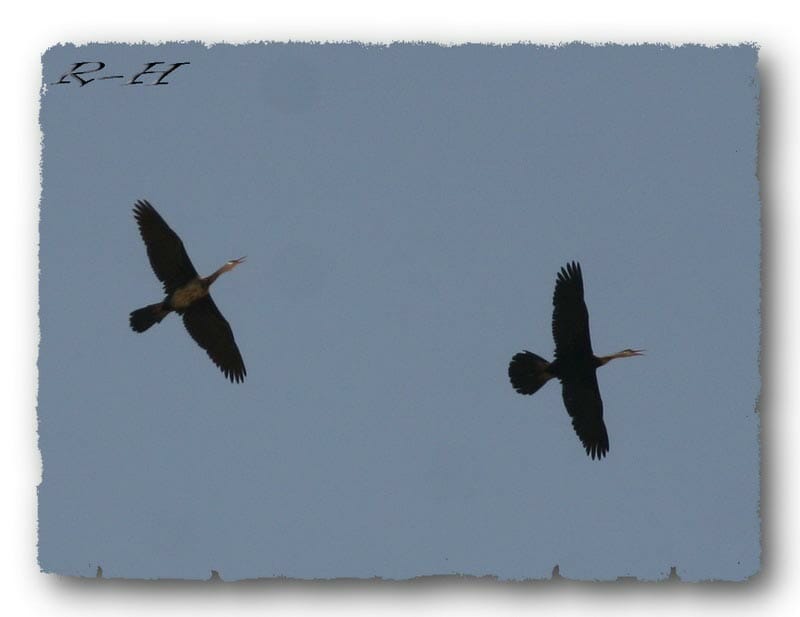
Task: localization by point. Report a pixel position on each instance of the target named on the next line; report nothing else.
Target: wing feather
(211, 331)
(582, 399)
(165, 250)
(570, 317)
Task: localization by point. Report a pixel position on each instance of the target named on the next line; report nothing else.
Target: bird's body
(187, 294)
(183, 297)
(575, 364)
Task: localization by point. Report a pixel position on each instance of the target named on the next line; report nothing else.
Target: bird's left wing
(584, 405)
(211, 331)
(168, 257)
(570, 317)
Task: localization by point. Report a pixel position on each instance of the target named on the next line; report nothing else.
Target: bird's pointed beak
(240, 260)
(638, 352)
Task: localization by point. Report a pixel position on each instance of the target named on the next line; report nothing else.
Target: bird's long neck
(601, 360)
(209, 280)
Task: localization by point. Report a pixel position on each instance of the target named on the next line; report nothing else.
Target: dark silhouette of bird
(186, 293)
(575, 364)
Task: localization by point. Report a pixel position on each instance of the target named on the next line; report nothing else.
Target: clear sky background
(404, 211)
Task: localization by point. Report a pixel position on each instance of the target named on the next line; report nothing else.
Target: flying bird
(186, 293)
(575, 364)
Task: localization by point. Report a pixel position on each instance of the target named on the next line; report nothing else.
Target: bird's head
(233, 263)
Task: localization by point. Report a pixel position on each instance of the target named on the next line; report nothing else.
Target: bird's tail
(143, 318)
(528, 372)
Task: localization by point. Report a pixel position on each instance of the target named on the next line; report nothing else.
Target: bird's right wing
(165, 250)
(570, 317)
(582, 400)
(212, 332)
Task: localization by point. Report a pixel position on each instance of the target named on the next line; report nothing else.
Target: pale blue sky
(404, 211)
